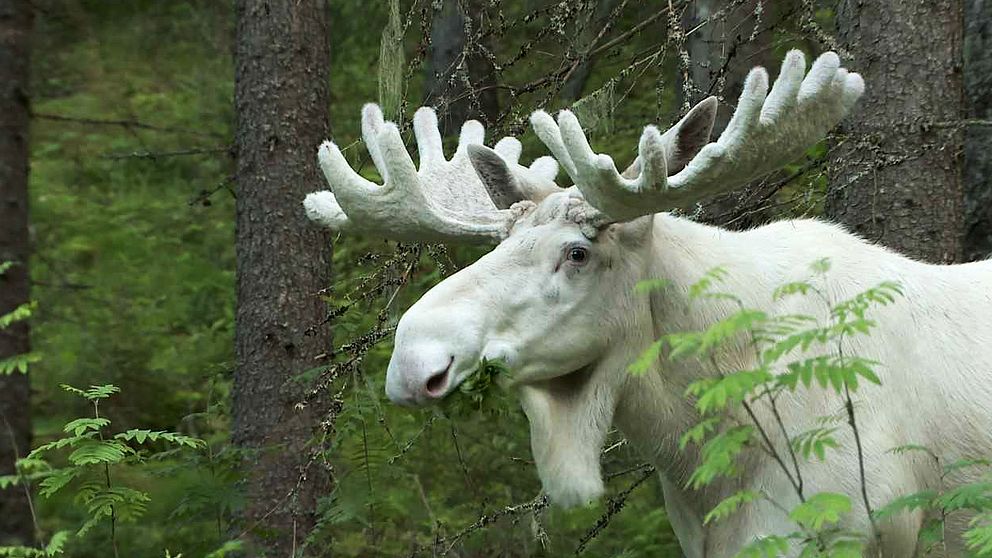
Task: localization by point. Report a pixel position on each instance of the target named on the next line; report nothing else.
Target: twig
(534, 506)
(123, 124)
(176, 153)
(613, 507)
(25, 482)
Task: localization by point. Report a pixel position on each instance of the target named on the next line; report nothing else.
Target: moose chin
(556, 299)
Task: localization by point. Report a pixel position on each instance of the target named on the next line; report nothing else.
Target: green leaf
(101, 392)
(978, 537)
(710, 278)
(81, 425)
(646, 359)
(68, 441)
(975, 496)
(18, 314)
(94, 393)
(93, 452)
(765, 547)
(18, 363)
(697, 433)
(814, 442)
(57, 480)
(845, 548)
(56, 544)
(965, 464)
(730, 504)
(915, 501)
(823, 508)
(899, 450)
(649, 285)
(174, 438)
(820, 266)
(730, 389)
(930, 535)
(789, 289)
(719, 454)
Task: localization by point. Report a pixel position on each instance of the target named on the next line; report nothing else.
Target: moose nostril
(438, 383)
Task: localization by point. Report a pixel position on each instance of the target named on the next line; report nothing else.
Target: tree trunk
(456, 69)
(281, 99)
(16, 526)
(897, 180)
(977, 176)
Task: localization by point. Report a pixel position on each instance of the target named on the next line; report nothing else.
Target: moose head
(555, 299)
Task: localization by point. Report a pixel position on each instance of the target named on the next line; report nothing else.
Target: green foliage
(728, 402)
(820, 510)
(18, 363)
(815, 441)
(765, 547)
(18, 314)
(979, 536)
(90, 470)
(739, 408)
(730, 504)
(971, 497)
(477, 391)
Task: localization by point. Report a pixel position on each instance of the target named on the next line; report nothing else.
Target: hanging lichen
(391, 63)
(595, 110)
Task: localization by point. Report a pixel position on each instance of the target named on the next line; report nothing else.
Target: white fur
(569, 333)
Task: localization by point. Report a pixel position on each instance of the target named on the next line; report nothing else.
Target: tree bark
(897, 180)
(281, 100)
(977, 176)
(16, 525)
(456, 68)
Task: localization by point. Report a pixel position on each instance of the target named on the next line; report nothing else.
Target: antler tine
(442, 201)
(615, 195)
(766, 131)
(549, 133)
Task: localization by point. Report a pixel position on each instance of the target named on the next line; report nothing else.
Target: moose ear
(692, 133)
(502, 185)
(684, 140)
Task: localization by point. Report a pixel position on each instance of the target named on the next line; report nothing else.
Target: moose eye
(577, 255)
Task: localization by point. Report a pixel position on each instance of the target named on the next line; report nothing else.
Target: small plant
(94, 455)
(725, 398)
(16, 363)
(973, 498)
(476, 392)
(740, 409)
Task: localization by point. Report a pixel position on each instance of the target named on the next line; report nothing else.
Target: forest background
(134, 189)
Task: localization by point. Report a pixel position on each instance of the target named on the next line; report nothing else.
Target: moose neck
(652, 410)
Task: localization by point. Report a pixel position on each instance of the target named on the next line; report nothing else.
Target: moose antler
(442, 201)
(763, 134)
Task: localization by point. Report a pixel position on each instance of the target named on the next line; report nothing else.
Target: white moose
(556, 301)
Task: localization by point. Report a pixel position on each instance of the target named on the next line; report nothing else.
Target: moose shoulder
(555, 300)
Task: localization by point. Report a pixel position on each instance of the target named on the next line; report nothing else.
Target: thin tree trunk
(456, 68)
(721, 52)
(16, 526)
(977, 175)
(281, 99)
(593, 20)
(897, 181)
